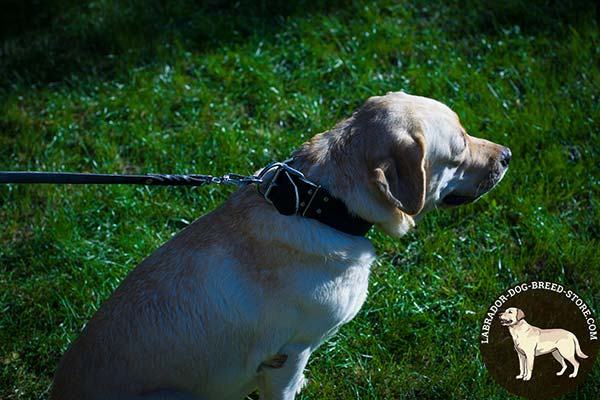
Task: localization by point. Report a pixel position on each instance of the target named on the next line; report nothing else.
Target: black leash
(288, 191)
(103, 179)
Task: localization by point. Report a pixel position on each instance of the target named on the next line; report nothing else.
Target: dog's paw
(573, 375)
(519, 377)
(526, 378)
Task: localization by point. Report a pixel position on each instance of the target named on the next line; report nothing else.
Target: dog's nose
(505, 157)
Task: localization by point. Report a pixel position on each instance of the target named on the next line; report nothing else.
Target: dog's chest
(346, 292)
(520, 338)
(332, 293)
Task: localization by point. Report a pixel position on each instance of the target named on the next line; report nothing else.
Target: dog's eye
(510, 311)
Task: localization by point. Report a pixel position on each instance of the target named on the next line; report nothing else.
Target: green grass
(132, 86)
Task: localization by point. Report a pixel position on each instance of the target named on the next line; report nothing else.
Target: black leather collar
(292, 194)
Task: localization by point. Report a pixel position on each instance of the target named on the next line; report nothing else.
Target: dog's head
(400, 156)
(511, 316)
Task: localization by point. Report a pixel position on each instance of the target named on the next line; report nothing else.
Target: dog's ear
(401, 176)
(520, 314)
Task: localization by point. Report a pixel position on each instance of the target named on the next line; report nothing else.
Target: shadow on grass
(51, 41)
(531, 17)
(47, 41)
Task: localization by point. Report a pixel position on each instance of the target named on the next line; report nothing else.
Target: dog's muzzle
(492, 178)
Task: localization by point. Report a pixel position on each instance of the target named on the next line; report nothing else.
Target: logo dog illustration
(531, 341)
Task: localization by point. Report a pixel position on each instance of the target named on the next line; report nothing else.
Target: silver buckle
(281, 167)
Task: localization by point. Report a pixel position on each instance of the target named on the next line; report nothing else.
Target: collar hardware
(292, 194)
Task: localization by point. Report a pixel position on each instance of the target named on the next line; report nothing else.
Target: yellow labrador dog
(531, 341)
(240, 298)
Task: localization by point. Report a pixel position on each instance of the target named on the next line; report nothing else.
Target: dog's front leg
(284, 382)
(522, 365)
(529, 358)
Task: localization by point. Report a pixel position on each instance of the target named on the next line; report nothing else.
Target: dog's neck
(292, 194)
(334, 172)
(333, 159)
(519, 327)
(263, 222)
